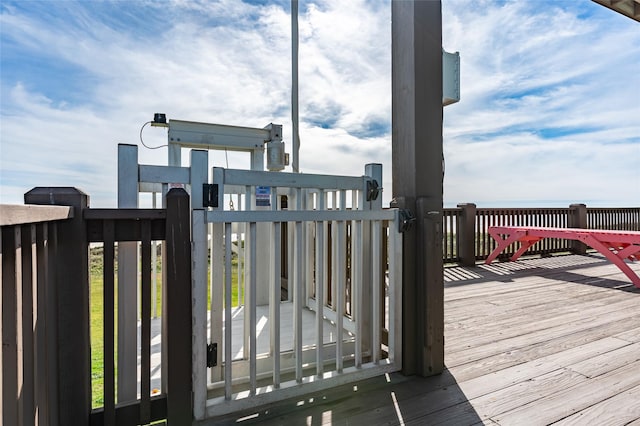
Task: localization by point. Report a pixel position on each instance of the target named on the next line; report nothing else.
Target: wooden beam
(416, 30)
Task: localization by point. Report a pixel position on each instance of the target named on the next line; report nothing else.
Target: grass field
(96, 318)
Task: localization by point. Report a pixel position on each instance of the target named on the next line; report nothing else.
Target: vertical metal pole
(294, 86)
(416, 35)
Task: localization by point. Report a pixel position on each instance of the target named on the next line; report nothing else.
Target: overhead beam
(629, 8)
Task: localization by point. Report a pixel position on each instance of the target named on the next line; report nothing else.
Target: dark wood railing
(46, 367)
(466, 240)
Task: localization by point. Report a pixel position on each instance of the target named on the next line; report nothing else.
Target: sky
(549, 112)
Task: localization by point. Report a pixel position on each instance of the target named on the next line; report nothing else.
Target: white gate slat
(395, 295)
(228, 363)
(320, 286)
(357, 288)
(339, 296)
(253, 350)
(274, 303)
(377, 282)
(199, 313)
(217, 290)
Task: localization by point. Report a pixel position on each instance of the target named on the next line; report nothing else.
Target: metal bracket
(209, 195)
(373, 190)
(212, 355)
(406, 221)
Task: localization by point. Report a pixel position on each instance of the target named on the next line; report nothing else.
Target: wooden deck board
(532, 342)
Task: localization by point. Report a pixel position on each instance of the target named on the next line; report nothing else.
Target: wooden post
(177, 307)
(416, 37)
(466, 229)
(578, 219)
(71, 282)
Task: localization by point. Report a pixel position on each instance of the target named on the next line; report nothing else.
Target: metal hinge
(373, 190)
(209, 195)
(212, 355)
(407, 219)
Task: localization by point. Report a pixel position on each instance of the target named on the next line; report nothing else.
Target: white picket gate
(334, 249)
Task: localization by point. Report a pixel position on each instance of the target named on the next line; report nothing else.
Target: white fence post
(127, 280)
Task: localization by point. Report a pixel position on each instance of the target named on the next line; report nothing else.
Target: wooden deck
(539, 341)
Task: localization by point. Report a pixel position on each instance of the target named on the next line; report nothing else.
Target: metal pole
(294, 86)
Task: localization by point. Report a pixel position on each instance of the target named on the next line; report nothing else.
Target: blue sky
(548, 116)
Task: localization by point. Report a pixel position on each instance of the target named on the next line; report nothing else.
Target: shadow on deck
(539, 341)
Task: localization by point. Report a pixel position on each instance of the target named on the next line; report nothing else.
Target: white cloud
(526, 73)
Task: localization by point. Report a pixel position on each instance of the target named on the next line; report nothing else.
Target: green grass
(96, 315)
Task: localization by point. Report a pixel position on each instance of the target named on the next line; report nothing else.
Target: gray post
(416, 37)
(177, 307)
(578, 219)
(71, 282)
(467, 234)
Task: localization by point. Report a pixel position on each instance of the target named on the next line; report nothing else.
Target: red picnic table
(614, 245)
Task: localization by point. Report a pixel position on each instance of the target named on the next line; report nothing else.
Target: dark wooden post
(178, 308)
(467, 234)
(71, 283)
(416, 38)
(578, 219)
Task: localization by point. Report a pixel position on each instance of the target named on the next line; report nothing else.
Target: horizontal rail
(293, 180)
(127, 223)
(163, 174)
(18, 214)
(299, 215)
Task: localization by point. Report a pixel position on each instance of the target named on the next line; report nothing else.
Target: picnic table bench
(614, 245)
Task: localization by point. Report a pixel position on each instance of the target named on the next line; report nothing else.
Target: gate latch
(212, 355)
(406, 221)
(209, 195)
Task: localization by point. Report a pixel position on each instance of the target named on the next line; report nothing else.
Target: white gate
(318, 282)
(339, 261)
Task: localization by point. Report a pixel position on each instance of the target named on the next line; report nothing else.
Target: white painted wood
(358, 289)
(174, 154)
(218, 406)
(199, 311)
(154, 267)
(150, 187)
(292, 180)
(297, 300)
(249, 266)
(216, 277)
(376, 244)
(253, 350)
(320, 283)
(228, 364)
(339, 295)
(395, 295)
(199, 175)
(374, 171)
(275, 291)
(127, 280)
(163, 174)
(274, 303)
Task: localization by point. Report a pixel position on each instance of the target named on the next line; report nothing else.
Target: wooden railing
(45, 357)
(466, 240)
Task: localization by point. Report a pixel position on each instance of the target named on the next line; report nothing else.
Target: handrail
(23, 214)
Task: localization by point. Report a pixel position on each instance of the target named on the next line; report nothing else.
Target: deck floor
(535, 342)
